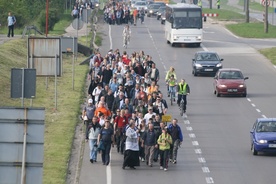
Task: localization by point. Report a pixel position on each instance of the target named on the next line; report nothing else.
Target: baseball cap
(90, 100)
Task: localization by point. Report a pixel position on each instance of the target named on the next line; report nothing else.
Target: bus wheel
(173, 44)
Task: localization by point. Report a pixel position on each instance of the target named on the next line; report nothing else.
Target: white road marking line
(189, 128)
(258, 110)
(209, 180)
(263, 116)
(108, 172)
(192, 135)
(110, 37)
(249, 100)
(203, 47)
(187, 122)
(231, 33)
(274, 66)
(195, 143)
(205, 169)
(198, 151)
(253, 105)
(201, 160)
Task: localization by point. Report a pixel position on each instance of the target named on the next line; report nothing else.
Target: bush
(53, 18)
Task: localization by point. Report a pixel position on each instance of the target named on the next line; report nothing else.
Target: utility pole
(210, 3)
(266, 17)
(247, 11)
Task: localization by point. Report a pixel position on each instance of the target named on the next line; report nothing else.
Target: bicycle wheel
(181, 108)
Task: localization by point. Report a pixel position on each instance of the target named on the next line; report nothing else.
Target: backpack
(13, 20)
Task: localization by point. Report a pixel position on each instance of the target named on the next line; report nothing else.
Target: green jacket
(164, 141)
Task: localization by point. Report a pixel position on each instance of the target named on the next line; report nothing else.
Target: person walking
(218, 4)
(175, 131)
(11, 21)
(106, 139)
(119, 125)
(126, 36)
(87, 115)
(164, 141)
(131, 155)
(183, 90)
(149, 141)
(93, 136)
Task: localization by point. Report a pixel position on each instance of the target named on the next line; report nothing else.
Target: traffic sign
(166, 118)
(265, 1)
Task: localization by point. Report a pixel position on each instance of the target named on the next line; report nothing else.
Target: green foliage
(27, 11)
(52, 20)
(252, 30)
(270, 53)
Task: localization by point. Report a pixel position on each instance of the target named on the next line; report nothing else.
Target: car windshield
(207, 57)
(230, 75)
(140, 3)
(266, 126)
(154, 6)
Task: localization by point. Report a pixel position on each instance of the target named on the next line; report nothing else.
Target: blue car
(263, 136)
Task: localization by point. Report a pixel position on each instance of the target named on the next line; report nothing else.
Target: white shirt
(148, 116)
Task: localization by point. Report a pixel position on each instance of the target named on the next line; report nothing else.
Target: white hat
(90, 100)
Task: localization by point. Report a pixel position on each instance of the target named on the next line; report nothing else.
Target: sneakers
(170, 160)
(174, 162)
(168, 95)
(91, 160)
(165, 169)
(161, 168)
(142, 159)
(174, 99)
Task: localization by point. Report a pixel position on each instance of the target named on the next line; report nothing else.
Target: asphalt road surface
(216, 146)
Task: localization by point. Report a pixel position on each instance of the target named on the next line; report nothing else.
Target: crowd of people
(119, 12)
(125, 108)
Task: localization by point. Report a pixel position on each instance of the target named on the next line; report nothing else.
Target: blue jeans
(93, 149)
(172, 91)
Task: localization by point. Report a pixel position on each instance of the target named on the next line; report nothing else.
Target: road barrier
(210, 14)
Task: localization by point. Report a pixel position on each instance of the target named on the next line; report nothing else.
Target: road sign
(166, 118)
(264, 2)
(77, 24)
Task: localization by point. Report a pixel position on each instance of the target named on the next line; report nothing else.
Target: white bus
(183, 24)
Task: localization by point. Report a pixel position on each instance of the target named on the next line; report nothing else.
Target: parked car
(140, 4)
(263, 136)
(206, 62)
(152, 10)
(230, 81)
(159, 12)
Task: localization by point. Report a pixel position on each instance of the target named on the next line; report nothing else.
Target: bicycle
(181, 106)
(171, 93)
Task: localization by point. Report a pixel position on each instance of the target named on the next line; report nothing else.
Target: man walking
(11, 21)
(150, 143)
(175, 131)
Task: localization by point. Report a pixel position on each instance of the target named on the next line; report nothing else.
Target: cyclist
(183, 90)
(126, 35)
(172, 83)
(168, 75)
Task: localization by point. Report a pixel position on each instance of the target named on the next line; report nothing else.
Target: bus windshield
(187, 19)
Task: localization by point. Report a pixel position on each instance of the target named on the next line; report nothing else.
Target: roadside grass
(59, 124)
(256, 6)
(270, 53)
(64, 22)
(252, 30)
(225, 15)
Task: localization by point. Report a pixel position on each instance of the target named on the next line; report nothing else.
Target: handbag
(101, 146)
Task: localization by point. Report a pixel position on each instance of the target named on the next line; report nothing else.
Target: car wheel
(254, 152)
(168, 42)
(244, 95)
(195, 74)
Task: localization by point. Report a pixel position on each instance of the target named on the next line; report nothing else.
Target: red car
(230, 81)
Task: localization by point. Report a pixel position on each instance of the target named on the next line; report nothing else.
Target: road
(216, 147)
